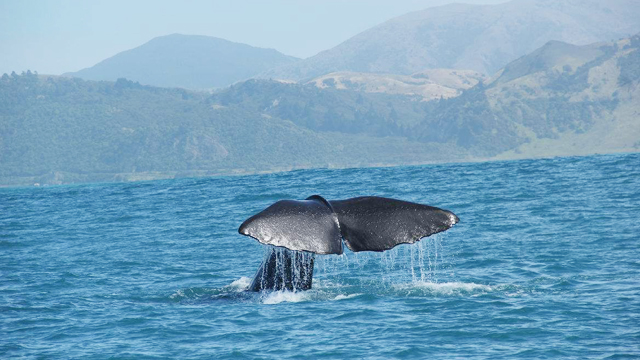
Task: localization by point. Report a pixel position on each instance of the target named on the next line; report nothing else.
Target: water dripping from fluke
(403, 270)
(284, 269)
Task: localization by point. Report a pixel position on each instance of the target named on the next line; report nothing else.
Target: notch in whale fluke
(367, 223)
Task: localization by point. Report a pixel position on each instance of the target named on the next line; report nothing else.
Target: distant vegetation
(630, 64)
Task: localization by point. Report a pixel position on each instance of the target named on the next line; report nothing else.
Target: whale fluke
(317, 226)
(367, 223)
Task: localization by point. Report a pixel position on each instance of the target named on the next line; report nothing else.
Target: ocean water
(545, 263)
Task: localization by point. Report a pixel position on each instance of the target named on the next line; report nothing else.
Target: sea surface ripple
(545, 263)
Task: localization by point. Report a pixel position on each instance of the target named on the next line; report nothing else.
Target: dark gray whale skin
(300, 228)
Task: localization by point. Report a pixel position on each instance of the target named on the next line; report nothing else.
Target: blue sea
(545, 263)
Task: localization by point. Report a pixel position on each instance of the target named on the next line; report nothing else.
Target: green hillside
(559, 100)
(574, 102)
(60, 130)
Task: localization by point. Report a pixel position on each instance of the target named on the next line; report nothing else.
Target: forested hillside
(60, 130)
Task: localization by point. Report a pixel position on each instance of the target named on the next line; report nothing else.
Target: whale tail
(319, 226)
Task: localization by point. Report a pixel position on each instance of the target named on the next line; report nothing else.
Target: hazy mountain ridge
(187, 61)
(483, 38)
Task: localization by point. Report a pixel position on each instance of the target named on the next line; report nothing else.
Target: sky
(58, 36)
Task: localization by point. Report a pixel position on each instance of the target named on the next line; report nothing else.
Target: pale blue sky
(57, 36)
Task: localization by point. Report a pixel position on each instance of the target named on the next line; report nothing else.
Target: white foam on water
(511, 292)
(241, 284)
(447, 288)
(327, 284)
(287, 296)
(278, 297)
(177, 294)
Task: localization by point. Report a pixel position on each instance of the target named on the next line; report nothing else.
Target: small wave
(187, 294)
(196, 293)
(344, 297)
(204, 296)
(448, 288)
(9, 244)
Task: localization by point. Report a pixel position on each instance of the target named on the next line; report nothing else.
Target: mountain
(483, 38)
(561, 99)
(187, 61)
(429, 84)
(579, 101)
